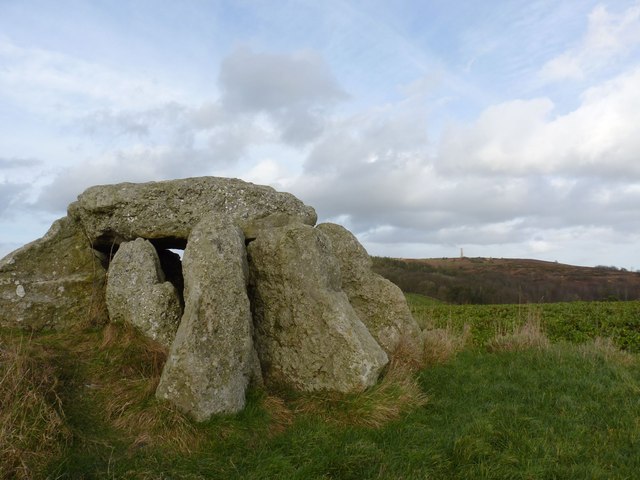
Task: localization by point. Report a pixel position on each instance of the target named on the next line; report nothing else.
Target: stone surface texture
(307, 334)
(212, 358)
(379, 303)
(138, 294)
(53, 282)
(167, 211)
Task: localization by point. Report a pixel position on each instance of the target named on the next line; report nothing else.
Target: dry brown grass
(32, 423)
(407, 354)
(605, 349)
(530, 335)
(281, 416)
(126, 391)
(442, 344)
(396, 394)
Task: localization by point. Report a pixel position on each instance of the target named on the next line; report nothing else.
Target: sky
(509, 129)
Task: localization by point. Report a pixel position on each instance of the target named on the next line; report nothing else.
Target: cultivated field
(574, 322)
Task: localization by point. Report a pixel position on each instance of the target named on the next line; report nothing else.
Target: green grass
(420, 301)
(568, 410)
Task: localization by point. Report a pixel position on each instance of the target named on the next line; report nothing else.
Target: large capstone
(308, 336)
(54, 282)
(166, 212)
(138, 294)
(379, 303)
(212, 358)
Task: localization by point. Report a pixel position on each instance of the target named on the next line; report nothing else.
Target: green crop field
(80, 404)
(574, 322)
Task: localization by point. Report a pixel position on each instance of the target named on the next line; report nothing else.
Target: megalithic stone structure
(267, 296)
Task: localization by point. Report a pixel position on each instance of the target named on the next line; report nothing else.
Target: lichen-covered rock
(138, 294)
(167, 211)
(379, 303)
(54, 282)
(307, 335)
(212, 357)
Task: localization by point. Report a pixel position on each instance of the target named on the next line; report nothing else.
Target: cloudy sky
(508, 128)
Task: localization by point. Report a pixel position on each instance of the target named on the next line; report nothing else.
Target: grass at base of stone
(566, 411)
(563, 412)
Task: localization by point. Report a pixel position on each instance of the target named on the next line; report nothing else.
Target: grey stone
(53, 282)
(212, 357)
(379, 303)
(137, 292)
(308, 336)
(167, 211)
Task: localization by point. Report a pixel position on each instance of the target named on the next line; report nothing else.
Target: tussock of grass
(407, 355)
(527, 336)
(605, 349)
(281, 416)
(396, 394)
(126, 382)
(442, 344)
(32, 422)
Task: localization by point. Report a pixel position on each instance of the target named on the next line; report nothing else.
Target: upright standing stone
(137, 292)
(308, 336)
(379, 303)
(54, 282)
(212, 358)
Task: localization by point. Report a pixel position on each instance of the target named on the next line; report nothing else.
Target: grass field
(80, 405)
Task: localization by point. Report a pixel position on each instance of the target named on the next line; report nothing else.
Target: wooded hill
(493, 280)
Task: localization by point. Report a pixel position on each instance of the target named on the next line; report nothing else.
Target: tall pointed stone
(212, 357)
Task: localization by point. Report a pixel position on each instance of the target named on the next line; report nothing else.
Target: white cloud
(11, 194)
(160, 139)
(519, 178)
(13, 163)
(58, 84)
(294, 89)
(139, 163)
(253, 81)
(609, 38)
(600, 137)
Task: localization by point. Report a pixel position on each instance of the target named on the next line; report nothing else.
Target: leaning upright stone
(138, 294)
(212, 358)
(308, 336)
(53, 282)
(380, 304)
(167, 211)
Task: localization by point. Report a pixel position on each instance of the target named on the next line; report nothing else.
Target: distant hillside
(489, 280)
